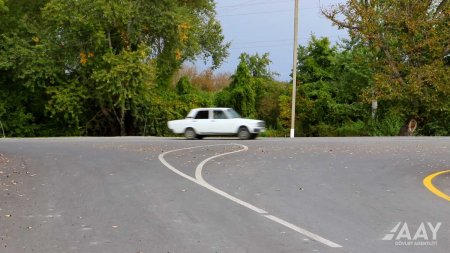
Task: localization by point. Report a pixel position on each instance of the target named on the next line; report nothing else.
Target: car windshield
(233, 114)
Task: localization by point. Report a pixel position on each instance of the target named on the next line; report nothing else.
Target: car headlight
(261, 124)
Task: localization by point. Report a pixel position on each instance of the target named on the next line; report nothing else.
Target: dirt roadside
(16, 190)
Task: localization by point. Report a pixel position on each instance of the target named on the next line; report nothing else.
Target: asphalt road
(223, 195)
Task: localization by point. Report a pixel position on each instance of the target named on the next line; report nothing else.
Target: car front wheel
(243, 133)
(190, 134)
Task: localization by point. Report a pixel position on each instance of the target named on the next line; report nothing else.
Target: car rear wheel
(243, 133)
(190, 134)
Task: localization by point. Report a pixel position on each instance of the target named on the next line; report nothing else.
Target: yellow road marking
(428, 182)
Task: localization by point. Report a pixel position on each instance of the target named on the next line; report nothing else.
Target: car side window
(219, 114)
(202, 115)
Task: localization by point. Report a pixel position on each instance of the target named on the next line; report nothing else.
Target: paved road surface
(223, 195)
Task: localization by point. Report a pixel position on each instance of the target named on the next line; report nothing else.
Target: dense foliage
(409, 44)
(103, 68)
(98, 67)
(330, 85)
(253, 92)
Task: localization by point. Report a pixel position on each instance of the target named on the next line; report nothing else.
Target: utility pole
(294, 70)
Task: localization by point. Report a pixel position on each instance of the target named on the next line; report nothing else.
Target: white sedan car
(201, 122)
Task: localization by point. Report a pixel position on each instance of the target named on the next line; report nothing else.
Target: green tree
(191, 96)
(92, 67)
(409, 41)
(3, 7)
(240, 95)
(331, 84)
(253, 92)
(104, 42)
(24, 69)
(242, 92)
(258, 65)
(123, 85)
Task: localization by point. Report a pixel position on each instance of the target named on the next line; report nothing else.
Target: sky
(267, 26)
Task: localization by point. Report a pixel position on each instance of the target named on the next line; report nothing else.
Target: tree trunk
(408, 128)
(121, 120)
(111, 121)
(123, 130)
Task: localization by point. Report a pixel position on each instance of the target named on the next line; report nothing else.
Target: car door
(201, 121)
(220, 123)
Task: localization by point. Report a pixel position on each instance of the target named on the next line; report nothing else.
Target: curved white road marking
(199, 177)
(161, 158)
(200, 181)
(303, 231)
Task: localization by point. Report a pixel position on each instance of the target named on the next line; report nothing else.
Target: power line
(262, 41)
(281, 41)
(253, 13)
(236, 5)
(265, 46)
(262, 12)
(252, 3)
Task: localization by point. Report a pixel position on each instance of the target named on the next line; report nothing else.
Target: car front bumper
(257, 130)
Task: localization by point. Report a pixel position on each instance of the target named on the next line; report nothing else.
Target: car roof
(211, 108)
(195, 110)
